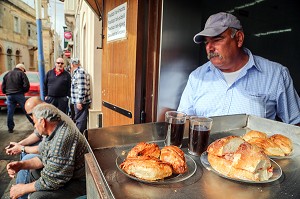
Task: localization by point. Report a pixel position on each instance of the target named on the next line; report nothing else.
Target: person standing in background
(15, 84)
(80, 94)
(58, 86)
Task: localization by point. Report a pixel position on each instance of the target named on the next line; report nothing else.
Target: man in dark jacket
(15, 84)
(58, 86)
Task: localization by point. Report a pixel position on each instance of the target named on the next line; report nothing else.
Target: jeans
(23, 176)
(12, 101)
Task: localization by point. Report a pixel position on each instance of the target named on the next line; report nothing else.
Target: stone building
(18, 36)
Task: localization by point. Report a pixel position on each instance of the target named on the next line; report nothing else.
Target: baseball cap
(216, 24)
(75, 61)
(21, 66)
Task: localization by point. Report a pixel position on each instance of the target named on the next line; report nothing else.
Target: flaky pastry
(174, 156)
(145, 149)
(147, 168)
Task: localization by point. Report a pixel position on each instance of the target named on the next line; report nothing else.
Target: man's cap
(216, 24)
(75, 61)
(21, 66)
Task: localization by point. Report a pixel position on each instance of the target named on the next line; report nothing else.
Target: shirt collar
(249, 64)
(58, 71)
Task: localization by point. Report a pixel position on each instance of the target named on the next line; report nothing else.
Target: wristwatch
(23, 149)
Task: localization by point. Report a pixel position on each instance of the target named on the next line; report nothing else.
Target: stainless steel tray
(108, 143)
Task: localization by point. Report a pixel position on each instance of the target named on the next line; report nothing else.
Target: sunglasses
(60, 63)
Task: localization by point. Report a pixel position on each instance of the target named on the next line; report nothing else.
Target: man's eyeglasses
(60, 63)
(30, 114)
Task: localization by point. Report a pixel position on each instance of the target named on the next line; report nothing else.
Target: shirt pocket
(254, 103)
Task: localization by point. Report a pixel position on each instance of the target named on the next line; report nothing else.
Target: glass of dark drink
(175, 122)
(199, 134)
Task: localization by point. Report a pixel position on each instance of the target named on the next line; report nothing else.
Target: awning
(96, 6)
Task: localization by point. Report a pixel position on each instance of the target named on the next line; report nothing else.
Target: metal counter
(106, 181)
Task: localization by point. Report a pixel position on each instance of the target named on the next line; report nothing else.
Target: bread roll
(269, 147)
(225, 145)
(283, 142)
(147, 168)
(254, 134)
(144, 149)
(239, 159)
(175, 157)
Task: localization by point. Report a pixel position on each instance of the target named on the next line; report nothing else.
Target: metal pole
(55, 34)
(41, 63)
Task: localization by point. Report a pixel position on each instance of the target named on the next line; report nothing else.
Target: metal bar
(117, 109)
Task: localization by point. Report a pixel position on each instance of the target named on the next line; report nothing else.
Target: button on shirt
(263, 88)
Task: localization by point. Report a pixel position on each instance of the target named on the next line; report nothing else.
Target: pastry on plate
(234, 157)
(147, 168)
(144, 149)
(174, 156)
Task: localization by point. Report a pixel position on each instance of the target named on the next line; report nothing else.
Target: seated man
(59, 171)
(28, 147)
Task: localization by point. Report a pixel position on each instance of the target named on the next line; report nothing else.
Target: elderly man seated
(59, 171)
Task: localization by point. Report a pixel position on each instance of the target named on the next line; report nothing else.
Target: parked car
(34, 89)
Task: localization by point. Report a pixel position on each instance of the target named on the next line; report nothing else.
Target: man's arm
(14, 167)
(31, 139)
(16, 148)
(20, 189)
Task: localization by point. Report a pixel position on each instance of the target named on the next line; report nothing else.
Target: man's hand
(79, 106)
(13, 148)
(13, 168)
(17, 191)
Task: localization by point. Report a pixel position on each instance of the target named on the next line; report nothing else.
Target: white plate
(191, 165)
(277, 172)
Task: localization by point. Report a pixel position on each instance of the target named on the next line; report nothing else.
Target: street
(22, 129)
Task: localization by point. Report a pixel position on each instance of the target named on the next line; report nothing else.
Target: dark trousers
(12, 101)
(71, 190)
(81, 117)
(60, 102)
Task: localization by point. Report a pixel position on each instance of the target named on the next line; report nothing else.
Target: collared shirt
(263, 88)
(58, 71)
(80, 87)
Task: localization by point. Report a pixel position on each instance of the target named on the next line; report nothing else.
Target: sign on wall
(116, 23)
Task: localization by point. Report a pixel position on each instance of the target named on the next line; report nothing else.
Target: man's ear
(240, 36)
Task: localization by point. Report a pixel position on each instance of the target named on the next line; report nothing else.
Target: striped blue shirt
(80, 87)
(263, 88)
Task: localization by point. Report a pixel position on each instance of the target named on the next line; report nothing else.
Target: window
(16, 24)
(29, 30)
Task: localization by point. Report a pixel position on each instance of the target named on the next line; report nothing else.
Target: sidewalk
(22, 129)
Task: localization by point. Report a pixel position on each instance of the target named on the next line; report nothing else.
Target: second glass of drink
(199, 134)
(175, 122)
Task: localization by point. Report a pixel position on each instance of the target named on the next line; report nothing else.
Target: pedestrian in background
(58, 86)
(15, 84)
(80, 94)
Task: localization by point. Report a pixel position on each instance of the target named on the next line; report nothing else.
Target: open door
(123, 68)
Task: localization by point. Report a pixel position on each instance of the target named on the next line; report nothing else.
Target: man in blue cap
(234, 81)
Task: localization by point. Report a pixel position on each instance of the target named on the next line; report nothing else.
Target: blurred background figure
(15, 84)
(57, 86)
(80, 94)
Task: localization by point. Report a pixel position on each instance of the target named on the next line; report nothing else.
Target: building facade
(18, 36)
(83, 24)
